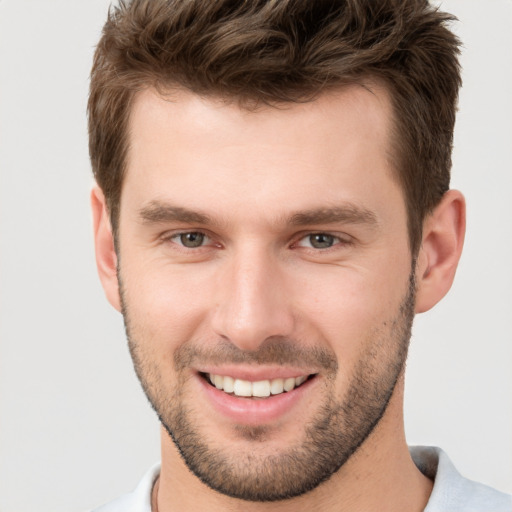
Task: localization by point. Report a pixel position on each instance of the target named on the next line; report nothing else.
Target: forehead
(198, 151)
(364, 109)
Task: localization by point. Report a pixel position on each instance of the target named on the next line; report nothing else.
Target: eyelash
(174, 238)
(338, 240)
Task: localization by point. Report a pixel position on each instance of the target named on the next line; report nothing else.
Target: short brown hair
(274, 51)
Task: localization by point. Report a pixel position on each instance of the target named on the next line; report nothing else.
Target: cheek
(350, 307)
(166, 304)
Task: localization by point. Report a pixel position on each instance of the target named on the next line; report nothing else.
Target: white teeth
(276, 386)
(300, 380)
(229, 384)
(289, 384)
(218, 382)
(260, 389)
(242, 388)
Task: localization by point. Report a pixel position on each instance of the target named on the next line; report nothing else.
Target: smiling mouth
(257, 389)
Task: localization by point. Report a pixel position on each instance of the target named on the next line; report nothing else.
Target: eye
(191, 239)
(319, 241)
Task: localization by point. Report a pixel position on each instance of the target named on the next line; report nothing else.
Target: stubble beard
(329, 439)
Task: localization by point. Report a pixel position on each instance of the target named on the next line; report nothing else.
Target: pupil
(321, 241)
(192, 239)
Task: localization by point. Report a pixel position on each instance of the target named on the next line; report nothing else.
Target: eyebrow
(157, 212)
(348, 213)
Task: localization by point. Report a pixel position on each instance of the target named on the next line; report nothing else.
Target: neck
(379, 476)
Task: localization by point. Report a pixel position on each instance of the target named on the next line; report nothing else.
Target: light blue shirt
(451, 492)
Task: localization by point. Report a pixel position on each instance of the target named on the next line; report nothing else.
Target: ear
(106, 257)
(442, 241)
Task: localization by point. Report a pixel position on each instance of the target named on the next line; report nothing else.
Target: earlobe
(106, 257)
(442, 241)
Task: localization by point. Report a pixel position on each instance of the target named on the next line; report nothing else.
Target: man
(272, 209)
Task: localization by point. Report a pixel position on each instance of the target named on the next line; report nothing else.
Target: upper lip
(255, 374)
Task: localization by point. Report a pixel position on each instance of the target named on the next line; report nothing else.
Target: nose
(252, 300)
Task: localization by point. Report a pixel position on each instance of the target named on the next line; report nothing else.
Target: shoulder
(137, 501)
(451, 490)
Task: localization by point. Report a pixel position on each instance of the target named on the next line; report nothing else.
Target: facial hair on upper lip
(275, 351)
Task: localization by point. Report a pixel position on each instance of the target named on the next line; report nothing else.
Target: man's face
(256, 248)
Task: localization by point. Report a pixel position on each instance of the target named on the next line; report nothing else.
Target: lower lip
(255, 411)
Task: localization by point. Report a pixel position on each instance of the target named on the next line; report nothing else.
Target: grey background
(75, 429)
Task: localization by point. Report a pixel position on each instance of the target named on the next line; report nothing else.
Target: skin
(257, 278)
